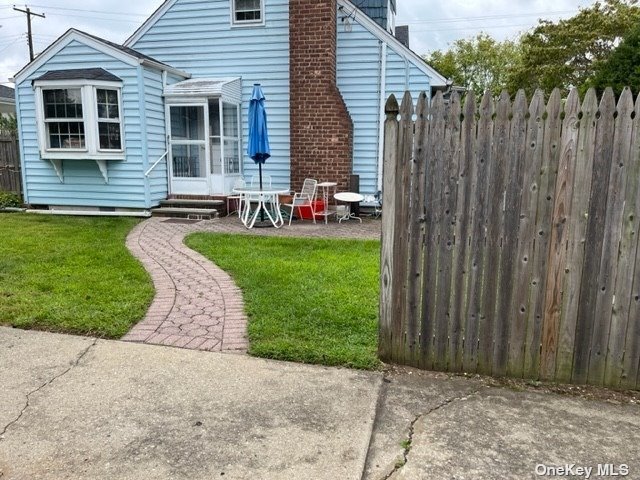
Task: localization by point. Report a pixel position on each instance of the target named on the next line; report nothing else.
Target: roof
(80, 74)
(7, 92)
(125, 54)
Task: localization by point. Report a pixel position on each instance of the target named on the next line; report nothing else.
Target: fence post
(387, 318)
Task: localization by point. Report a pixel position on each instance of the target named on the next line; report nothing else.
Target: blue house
(119, 128)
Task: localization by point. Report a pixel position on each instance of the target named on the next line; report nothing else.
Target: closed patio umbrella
(258, 148)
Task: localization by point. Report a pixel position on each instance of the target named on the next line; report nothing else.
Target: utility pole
(29, 36)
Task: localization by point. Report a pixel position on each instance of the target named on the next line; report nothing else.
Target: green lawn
(308, 300)
(70, 274)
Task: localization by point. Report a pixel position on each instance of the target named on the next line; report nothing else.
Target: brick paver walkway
(197, 305)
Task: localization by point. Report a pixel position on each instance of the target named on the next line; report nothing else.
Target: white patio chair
(238, 197)
(304, 199)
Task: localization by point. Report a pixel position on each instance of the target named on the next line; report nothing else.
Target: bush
(8, 199)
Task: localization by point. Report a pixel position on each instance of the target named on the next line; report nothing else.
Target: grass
(308, 300)
(70, 274)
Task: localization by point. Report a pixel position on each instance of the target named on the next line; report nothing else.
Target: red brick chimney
(321, 128)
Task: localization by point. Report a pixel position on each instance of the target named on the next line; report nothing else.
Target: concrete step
(178, 212)
(191, 203)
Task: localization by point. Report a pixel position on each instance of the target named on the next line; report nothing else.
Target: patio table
(350, 198)
(265, 198)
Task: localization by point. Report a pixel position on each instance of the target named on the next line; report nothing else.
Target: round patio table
(350, 198)
(268, 203)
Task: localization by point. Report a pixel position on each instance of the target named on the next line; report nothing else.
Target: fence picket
(630, 376)
(416, 223)
(495, 214)
(482, 162)
(432, 230)
(521, 278)
(577, 227)
(559, 234)
(387, 318)
(10, 177)
(467, 181)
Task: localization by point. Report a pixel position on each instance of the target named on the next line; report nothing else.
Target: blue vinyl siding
(196, 36)
(83, 183)
(156, 134)
(358, 74)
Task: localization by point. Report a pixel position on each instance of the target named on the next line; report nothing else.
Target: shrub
(8, 199)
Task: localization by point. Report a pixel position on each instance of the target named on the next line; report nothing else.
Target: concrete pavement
(80, 408)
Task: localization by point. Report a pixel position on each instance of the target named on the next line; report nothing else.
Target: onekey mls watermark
(601, 470)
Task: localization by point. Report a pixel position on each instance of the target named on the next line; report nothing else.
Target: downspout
(383, 88)
(143, 129)
(23, 166)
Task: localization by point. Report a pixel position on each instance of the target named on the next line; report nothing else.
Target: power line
(120, 20)
(487, 17)
(52, 7)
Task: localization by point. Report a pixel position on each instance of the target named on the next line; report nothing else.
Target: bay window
(79, 119)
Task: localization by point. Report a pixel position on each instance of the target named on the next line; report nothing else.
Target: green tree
(564, 54)
(477, 63)
(9, 123)
(622, 68)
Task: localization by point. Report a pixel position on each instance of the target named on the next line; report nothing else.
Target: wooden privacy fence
(510, 237)
(10, 179)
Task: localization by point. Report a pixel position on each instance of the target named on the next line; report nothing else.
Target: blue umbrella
(258, 148)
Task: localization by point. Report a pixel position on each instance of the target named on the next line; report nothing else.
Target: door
(188, 150)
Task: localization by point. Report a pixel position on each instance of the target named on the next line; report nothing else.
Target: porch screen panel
(231, 130)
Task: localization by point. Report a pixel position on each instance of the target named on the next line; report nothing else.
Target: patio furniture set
(259, 204)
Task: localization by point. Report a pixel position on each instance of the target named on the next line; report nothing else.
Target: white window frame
(92, 150)
(246, 23)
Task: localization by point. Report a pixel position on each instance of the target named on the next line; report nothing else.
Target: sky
(433, 24)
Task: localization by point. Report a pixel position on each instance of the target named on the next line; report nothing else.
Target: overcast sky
(434, 24)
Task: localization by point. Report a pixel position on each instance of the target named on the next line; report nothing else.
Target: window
(79, 120)
(247, 12)
(108, 119)
(225, 141)
(63, 118)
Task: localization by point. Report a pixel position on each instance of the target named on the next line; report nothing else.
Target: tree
(478, 63)
(564, 54)
(8, 124)
(622, 68)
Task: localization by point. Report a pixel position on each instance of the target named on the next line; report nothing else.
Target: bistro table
(268, 203)
(350, 198)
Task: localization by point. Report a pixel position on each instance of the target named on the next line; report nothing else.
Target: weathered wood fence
(10, 179)
(510, 237)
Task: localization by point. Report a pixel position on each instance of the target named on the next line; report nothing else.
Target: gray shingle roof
(7, 92)
(80, 74)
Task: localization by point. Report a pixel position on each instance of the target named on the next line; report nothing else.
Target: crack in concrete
(408, 442)
(36, 390)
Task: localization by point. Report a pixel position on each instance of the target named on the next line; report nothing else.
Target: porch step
(179, 212)
(191, 203)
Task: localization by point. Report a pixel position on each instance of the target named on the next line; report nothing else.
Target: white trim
(246, 23)
(76, 83)
(382, 100)
(73, 34)
(436, 79)
(149, 22)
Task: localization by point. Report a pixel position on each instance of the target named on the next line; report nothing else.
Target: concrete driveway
(79, 408)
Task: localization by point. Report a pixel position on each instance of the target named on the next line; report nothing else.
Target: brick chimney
(321, 128)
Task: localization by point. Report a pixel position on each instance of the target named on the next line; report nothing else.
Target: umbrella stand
(260, 173)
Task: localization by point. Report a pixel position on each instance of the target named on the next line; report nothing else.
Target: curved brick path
(197, 305)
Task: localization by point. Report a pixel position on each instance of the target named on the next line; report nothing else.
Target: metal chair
(304, 199)
(239, 183)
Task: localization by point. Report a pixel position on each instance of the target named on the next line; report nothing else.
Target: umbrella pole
(260, 173)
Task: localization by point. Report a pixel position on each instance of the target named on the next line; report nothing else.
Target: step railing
(148, 172)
